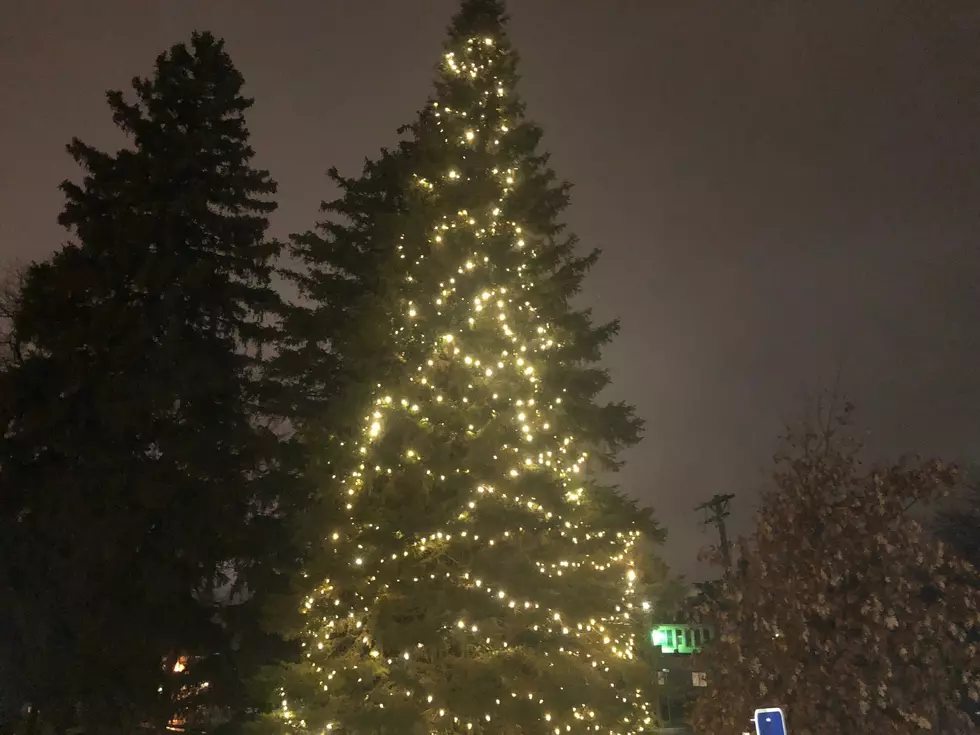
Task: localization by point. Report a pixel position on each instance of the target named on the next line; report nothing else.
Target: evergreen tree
(843, 609)
(10, 286)
(468, 572)
(141, 458)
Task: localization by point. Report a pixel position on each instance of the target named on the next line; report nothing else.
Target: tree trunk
(32, 726)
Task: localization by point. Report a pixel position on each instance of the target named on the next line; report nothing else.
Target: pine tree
(141, 458)
(473, 574)
(10, 287)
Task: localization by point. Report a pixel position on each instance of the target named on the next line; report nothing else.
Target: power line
(716, 511)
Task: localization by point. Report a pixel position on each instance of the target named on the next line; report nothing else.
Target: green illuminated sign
(679, 638)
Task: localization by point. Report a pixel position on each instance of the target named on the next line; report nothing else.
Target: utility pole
(716, 511)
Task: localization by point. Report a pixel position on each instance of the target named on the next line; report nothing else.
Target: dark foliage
(141, 463)
(843, 609)
(959, 525)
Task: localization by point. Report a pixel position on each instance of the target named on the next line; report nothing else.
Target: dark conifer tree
(141, 464)
(469, 573)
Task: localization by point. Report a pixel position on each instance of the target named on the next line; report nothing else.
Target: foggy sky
(784, 190)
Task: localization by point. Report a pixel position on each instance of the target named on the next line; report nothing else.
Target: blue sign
(770, 721)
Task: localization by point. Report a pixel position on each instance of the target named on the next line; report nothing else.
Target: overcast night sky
(781, 188)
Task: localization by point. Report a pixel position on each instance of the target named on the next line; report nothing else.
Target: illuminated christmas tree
(475, 576)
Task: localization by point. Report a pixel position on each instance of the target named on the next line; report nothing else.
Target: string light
(479, 329)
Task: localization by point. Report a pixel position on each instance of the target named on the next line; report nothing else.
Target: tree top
(478, 16)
